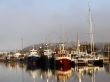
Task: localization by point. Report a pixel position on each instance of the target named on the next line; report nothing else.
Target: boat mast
(33, 47)
(78, 43)
(108, 49)
(91, 28)
(21, 43)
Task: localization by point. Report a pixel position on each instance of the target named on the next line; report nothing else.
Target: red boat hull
(65, 63)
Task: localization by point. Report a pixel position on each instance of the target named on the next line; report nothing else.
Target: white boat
(84, 57)
(48, 52)
(12, 57)
(78, 57)
(96, 59)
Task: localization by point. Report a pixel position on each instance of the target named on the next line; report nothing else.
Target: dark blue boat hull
(33, 60)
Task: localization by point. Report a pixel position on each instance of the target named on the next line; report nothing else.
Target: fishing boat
(62, 56)
(12, 57)
(33, 57)
(46, 56)
(47, 52)
(96, 60)
(78, 56)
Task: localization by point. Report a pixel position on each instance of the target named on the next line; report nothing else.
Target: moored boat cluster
(56, 57)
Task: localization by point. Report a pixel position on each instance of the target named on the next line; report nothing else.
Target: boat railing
(62, 55)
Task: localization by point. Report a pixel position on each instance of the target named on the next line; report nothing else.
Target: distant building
(4, 53)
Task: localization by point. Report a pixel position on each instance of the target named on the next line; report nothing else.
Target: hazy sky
(38, 21)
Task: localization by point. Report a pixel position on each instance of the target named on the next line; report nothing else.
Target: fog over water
(37, 21)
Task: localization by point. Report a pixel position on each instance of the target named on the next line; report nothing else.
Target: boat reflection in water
(14, 65)
(107, 67)
(60, 74)
(81, 72)
(34, 73)
(63, 73)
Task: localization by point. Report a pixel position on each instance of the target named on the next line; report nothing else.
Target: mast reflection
(58, 74)
(85, 70)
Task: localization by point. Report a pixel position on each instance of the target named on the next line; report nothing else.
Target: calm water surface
(14, 72)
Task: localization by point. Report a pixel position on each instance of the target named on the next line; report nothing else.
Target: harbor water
(15, 72)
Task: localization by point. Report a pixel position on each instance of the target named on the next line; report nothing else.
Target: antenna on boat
(33, 47)
(91, 28)
(21, 43)
(78, 43)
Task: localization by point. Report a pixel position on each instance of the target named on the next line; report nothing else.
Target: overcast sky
(38, 21)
